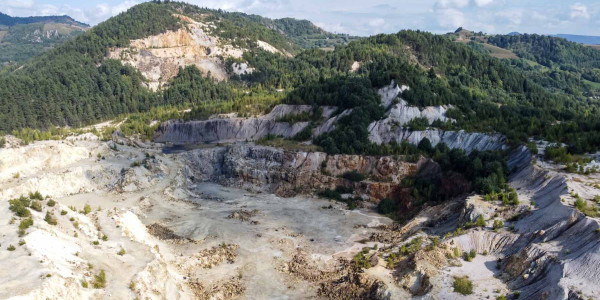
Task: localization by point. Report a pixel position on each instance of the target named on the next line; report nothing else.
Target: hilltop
(24, 38)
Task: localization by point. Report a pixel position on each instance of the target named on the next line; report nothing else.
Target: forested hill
(24, 38)
(11, 21)
(76, 84)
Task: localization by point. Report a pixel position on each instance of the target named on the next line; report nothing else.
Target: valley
(181, 152)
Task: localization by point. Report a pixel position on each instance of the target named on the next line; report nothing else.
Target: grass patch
(463, 285)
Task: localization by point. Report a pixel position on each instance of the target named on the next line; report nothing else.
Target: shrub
(100, 280)
(19, 206)
(498, 224)
(51, 203)
(87, 209)
(36, 205)
(63, 212)
(480, 221)
(582, 206)
(501, 297)
(36, 196)
(386, 206)
(21, 242)
(25, 223)
(469, 256)
(84, 283)
(121, 252)
(50, 219)
(463, 285)
(354, 176)
(11, 248)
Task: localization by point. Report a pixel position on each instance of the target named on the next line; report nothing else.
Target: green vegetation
(87, 209)
(51, 203)
(463, 285)
(11, 248)
(20, 206)
(386, 206)
(121, 252)
(470, 255)
(498, 224)
(24, 224)
(49, 218)
(354, 176)
(36, 205)
(100, 280)
(336, 195)
(582, 206)
(362, 259)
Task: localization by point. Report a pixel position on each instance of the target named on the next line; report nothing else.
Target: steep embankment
(554, 251)
(392, 128)
(288, 173)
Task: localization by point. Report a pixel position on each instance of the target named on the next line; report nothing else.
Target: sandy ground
(125, 199)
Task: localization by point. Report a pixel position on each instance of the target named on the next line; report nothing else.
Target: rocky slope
(185, 237)
(288, 173)
(391, 128)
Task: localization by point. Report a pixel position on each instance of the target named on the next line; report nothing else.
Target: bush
(582, 206)
(386, 206)
(51, 203)
(354, 176)
(50, 219)
(121, 252)
(36, 196)
(469, 256)
(100, 280)
(480, 221)
(11, 248)
(498, 225)
(84, 283)
(25, 223)
(19, 206)
(463, 285)
(36, 205)
(418, 124)
(87, 209)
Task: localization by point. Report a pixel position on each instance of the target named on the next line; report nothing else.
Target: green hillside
(24, 38)
(75, 85)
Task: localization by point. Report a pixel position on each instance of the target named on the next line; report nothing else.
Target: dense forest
(75, 85)
(554, 63)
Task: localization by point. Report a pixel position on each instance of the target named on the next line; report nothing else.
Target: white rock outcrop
(227, 130)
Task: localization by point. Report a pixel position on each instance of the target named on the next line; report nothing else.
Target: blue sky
(366, 17)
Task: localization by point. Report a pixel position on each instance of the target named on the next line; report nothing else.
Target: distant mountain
(23, 38)
(11, 21)
(582, 39)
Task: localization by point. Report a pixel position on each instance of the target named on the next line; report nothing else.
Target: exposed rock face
(391, 128)
(226, 130)
(159, 57)
(289, 172)
(383, 132)
(555, 252)
(390, 93)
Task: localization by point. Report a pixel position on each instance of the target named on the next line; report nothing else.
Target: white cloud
(452, 3)
(482, 3)
(579, 11)
(451, 18)
(513, 16)
(376, 22)
(119, 8)
(17, 3)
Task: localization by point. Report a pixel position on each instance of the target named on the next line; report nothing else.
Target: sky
(368, 17)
